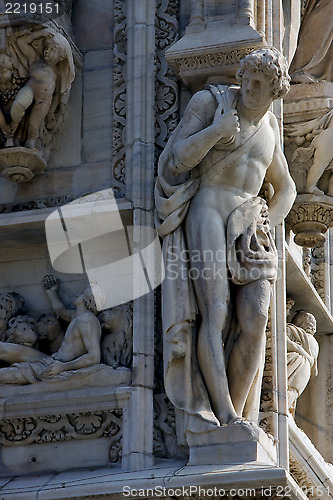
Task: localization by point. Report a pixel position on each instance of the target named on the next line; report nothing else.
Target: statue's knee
(21, 102)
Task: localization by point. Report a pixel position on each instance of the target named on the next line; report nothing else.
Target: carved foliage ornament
(119, 94)
(63, 427)
(167, 90)
(206, 61)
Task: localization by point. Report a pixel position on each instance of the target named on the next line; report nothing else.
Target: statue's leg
(11, 375)
(322, 157)
(37, 117)
(20, 104)
(206, 240)
(247, 353)
(16, 353)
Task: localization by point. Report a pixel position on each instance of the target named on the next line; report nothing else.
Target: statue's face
(48, 327)
(256, 90)
(53, 52)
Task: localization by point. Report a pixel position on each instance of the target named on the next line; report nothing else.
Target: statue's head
(117, 318)
(48, 327)
(272, 64)
(54, 51)
(305, 320)
(11, 303)
(93, 298)
(22, 330)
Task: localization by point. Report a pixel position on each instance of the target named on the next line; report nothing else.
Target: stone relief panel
(72, 345)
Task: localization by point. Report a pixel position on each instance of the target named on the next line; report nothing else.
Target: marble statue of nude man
(210, 173)
(80, 347)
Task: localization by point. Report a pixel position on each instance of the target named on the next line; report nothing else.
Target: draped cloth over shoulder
(183, 381)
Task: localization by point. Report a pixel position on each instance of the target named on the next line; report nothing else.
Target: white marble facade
(110, 402)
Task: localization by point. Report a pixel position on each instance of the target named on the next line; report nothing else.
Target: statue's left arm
(278, 175)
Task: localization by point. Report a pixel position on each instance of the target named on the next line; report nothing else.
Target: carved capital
(309, 219)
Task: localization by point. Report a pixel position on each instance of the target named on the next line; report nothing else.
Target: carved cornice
(219, 59)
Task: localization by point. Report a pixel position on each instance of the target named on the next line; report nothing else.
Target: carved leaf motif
(17, 429)
(87, 423)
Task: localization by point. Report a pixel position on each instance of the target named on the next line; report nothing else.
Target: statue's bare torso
(73, 344)
(240, 180)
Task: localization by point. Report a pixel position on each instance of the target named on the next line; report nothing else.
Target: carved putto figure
(46, 58)
(36, 73)
(219, 254)
(302, 354)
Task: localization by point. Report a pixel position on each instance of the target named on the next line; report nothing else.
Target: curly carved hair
(94, 298)
(270, 62)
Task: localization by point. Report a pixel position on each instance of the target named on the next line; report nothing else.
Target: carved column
(197, 17)
(245, 11)
(140, 96)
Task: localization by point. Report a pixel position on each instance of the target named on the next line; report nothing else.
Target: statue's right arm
(23, 43)
(294, 347)
(59, 307)
(202, 127)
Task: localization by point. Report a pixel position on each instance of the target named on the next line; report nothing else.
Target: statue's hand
(50, 283)
(226, 123)
(54, 369)
(264, 215)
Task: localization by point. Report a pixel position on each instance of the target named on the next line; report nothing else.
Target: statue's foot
(314, 190)
(31, 144)
(243, 422)
(301, 77)
(227, 419)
